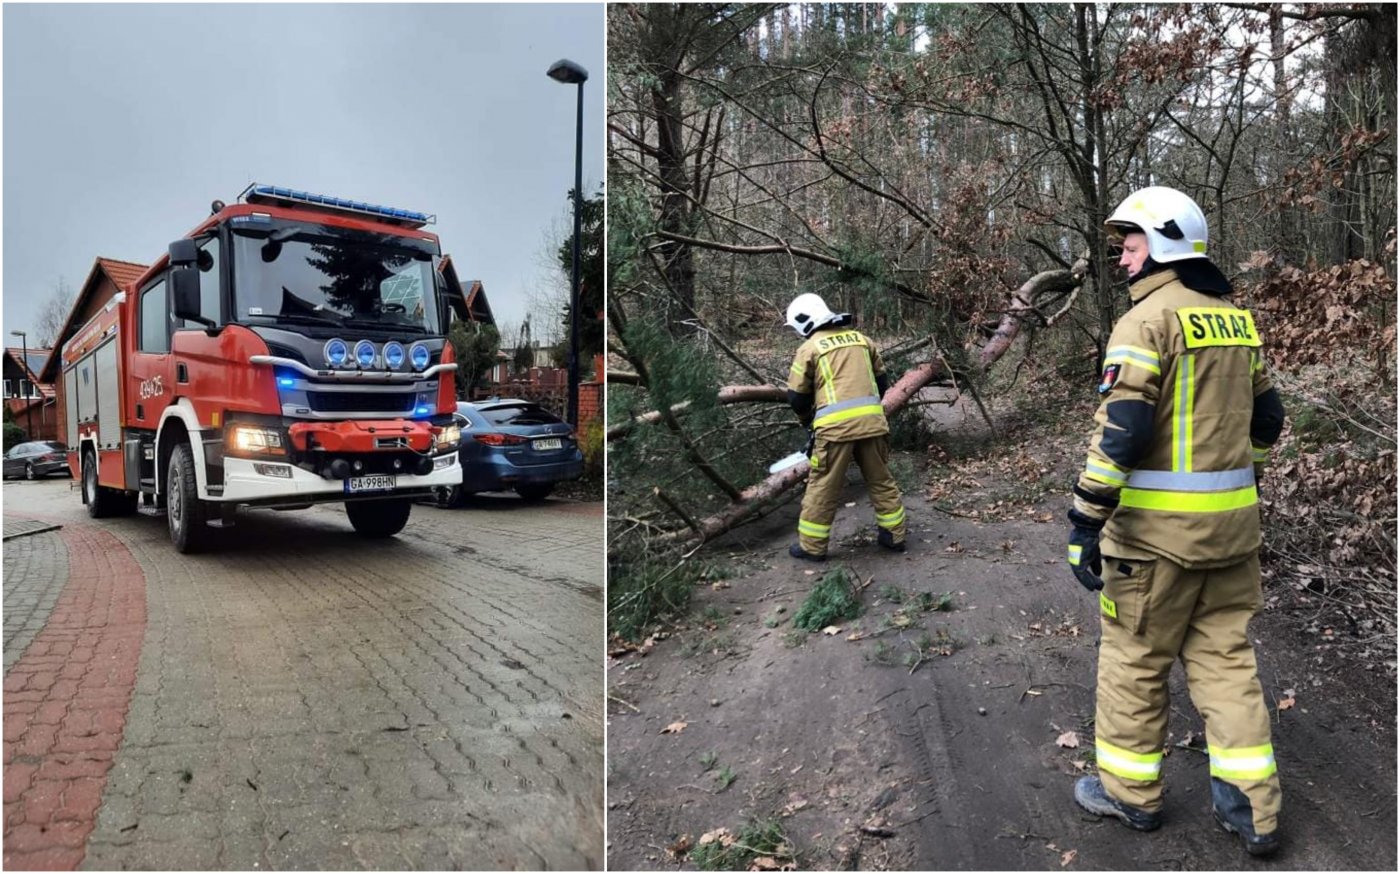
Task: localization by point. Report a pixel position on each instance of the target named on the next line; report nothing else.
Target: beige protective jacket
(839, 365)
(1185, 426)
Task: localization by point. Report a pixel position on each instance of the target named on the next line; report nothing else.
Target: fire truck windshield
(310, 276)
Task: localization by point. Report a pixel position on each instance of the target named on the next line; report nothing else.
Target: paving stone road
(306, 699)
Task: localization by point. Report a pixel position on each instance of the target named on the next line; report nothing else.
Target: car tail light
(500, 439)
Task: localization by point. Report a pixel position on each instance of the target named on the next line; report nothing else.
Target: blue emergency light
(256, 193)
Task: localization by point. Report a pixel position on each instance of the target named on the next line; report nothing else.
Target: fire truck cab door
(150, 384)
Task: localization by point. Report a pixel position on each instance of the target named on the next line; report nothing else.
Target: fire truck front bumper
(272, 483)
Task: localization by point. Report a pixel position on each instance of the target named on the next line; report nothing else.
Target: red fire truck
(288, 351)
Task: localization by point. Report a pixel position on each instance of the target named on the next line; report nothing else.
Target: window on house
(9, 391)
(155, 319)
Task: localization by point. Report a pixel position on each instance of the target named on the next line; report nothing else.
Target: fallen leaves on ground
(832, 629)
(720, 834)
(1069, 740)
(1067, 856)
(674, 728)
(681, 846)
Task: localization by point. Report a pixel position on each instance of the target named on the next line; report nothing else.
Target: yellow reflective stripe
(1188, 502)
(1107, 606)
(1243, 763)
(1131, 766)
(812, 529)
(852, 413)
(1261, 454)
(798, 370)
(890, 520)
(1135, 355)
(1183, 401)
(829, 379)
(1105, 472)
(1075, 552)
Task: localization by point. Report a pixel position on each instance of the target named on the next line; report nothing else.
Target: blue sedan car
(515, 445)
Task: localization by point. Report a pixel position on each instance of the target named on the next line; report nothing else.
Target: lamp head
(567, 72)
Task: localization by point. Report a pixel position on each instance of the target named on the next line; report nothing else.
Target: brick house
(107, 277)
(32, 402)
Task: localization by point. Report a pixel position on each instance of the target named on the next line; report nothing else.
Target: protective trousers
(829, 462)
(1154, 612)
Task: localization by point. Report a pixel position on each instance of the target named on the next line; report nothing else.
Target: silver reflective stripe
(1170, 481)
(846, 405)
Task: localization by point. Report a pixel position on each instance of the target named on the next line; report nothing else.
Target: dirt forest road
(955, 764)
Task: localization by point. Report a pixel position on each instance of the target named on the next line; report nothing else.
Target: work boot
(1090, 795)
(796, 551)
(1232, 811)
(886, 539)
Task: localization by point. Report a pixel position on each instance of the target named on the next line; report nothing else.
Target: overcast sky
(122, 123)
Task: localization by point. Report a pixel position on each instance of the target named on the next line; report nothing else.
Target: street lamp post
(28, 407)
(570, 73)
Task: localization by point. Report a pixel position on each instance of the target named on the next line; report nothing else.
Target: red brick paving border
(66, 701)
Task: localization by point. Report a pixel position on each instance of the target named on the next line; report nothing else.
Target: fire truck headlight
(449, 437)
(393, 355)
(250, 440)
(364, 353)
(337, 352)
(420, 356)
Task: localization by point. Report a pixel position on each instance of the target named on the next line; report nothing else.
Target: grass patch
(642, 594)
(794, 637)
(724, 778)
(728, 852)
(832, 600)
(890, 592)
(708, 759)
(929, 601)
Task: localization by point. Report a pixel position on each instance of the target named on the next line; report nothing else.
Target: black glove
(811, 443)
(1084, 557)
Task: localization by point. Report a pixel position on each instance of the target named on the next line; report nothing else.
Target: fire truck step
(219, 523)
(145, 510)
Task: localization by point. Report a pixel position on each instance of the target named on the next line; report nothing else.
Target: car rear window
(520, 414)
(54, 446)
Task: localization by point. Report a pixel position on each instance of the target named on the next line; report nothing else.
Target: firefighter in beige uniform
(1166, 510)
(835, 387)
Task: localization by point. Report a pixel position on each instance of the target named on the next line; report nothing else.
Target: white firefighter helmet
(807, 312)
(1174, 224)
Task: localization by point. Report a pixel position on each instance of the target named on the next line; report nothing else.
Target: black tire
(450, 496)
(379, 518)
(534, 492)
(185, 513)
(29, 473)
(98, 499)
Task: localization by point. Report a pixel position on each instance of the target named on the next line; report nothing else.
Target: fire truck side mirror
(184, 292)
(183, 252)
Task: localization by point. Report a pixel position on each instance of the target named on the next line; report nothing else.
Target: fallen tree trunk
(729, 394)
(1052, 283)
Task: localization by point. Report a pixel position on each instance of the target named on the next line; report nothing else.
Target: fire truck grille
(360, 402)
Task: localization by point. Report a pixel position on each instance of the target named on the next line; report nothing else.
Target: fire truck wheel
(184, 511)
(98, 499)
(379, 518)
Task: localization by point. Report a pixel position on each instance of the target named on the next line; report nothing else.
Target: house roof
(122, 274)
(477, 304)
(37, 357)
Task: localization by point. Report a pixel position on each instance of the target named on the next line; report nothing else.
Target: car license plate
(360, 484)
(549, 443)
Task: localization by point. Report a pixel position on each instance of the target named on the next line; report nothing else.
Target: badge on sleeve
(1110, 378)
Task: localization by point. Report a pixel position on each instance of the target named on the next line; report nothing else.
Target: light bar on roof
(256, 193)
